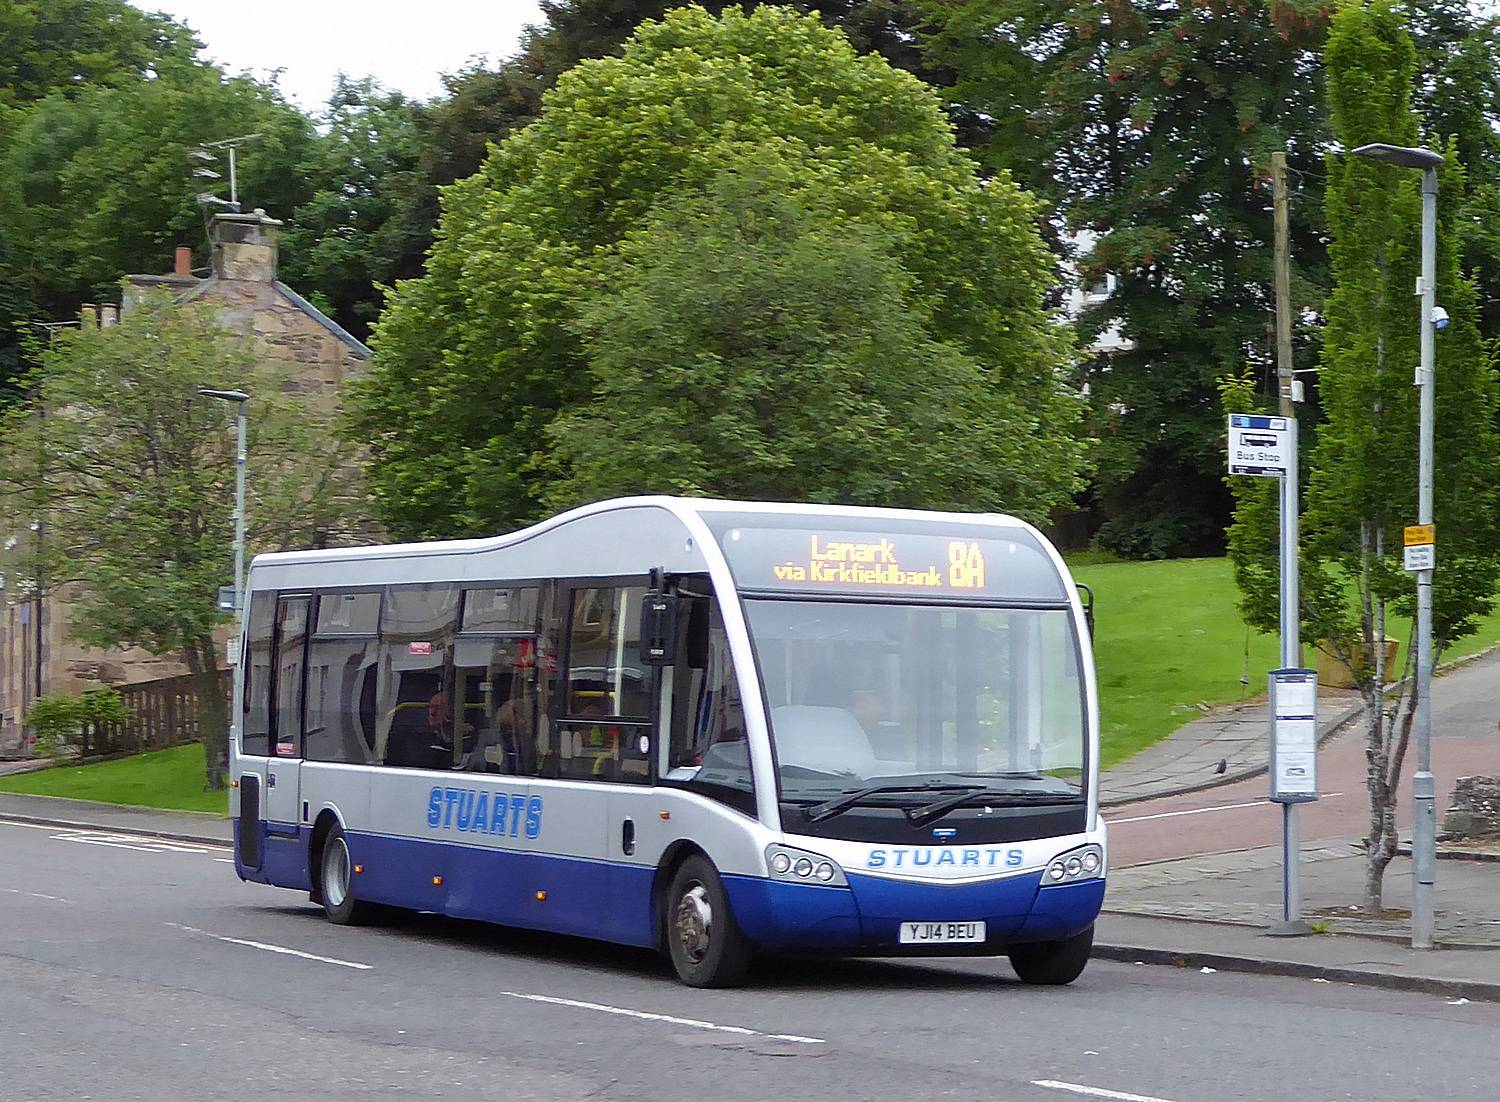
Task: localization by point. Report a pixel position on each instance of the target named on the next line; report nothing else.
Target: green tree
(1362, 483)
(362, 229)
(64, 46)
(131, 476)
(476, 359)
(100, 184)
(741, 345)
(1149, 126)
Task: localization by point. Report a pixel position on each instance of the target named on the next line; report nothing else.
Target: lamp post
(239, 398)
(1423, 785)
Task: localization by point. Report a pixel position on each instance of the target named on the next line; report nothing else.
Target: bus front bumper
(866, 916)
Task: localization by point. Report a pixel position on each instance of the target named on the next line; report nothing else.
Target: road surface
(132, 969)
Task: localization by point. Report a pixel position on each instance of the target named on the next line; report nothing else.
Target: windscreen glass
(869, 693)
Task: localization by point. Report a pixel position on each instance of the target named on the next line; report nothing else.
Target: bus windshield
(862, 693)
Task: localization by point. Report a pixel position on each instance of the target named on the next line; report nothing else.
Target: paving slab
(1243, 888)
(1189, 758)
(187, 826)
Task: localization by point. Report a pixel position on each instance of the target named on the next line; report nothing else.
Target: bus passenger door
(253, 730)
(282, 796)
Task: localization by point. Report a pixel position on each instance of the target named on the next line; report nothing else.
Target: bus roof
(676, 534)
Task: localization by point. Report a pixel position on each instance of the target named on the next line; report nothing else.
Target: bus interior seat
(829, 740)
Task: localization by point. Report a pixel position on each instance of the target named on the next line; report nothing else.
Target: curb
(1474, 990)
(139, 832)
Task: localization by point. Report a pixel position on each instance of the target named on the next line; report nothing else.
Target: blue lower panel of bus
(595, 899)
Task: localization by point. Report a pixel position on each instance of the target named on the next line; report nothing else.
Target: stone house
(36, 654)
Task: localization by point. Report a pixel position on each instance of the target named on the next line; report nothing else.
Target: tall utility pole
(1291, 596)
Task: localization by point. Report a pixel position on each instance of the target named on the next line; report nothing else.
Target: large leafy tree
(743, 345)
(63, 46)
(99, 184)
(1149, 127)
(478, 358)
(364, 227)
(131, 476)
(1362, 487)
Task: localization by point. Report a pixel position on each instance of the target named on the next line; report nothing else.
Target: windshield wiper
(926, 816)
(829, 808)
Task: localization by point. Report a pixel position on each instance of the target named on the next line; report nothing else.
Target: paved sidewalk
(1188, 758)
(85, 814)
(1449, 973)
(1243, 888)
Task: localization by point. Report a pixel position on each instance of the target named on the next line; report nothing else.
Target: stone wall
(1474, 809)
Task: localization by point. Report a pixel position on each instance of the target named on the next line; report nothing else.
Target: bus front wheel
(706, 947)
(335, 874)
(1053, 962)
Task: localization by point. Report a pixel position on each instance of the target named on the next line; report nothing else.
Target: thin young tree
(1363, 479)
(129, 473)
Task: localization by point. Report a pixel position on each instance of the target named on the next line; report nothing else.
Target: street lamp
(1423, 786)
(239, 398)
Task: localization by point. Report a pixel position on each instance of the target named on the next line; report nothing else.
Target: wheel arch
(327, 819)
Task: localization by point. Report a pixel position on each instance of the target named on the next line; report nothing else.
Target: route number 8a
(965, 565)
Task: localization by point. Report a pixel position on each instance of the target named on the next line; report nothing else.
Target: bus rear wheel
(335, 873)
(1053, 962)
(706, 947)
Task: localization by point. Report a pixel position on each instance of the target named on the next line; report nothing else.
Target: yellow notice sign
(1417, 535)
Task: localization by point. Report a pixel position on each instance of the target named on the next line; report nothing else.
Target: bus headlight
(799, 866)
(1083, 863)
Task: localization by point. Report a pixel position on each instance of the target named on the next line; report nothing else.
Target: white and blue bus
(715, 728)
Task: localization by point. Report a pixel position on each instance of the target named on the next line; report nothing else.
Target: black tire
(705, 944)
(335, 888)
(1053, 962)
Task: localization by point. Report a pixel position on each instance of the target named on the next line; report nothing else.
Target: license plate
(940, 933)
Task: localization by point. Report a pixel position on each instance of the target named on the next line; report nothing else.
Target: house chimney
(182, 263)
(245, 246)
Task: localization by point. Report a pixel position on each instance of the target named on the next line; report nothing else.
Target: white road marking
(274, 948)
(1095, 1092)
(38, 895)
(647, 1016)
(129, 841)
(1204, 810)
(224, 860)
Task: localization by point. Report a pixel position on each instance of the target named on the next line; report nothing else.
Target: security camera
(1439, 318)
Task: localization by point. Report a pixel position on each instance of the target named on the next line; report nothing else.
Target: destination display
(899, 563)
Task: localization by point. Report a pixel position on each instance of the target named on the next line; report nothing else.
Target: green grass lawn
(171, 779)
(1168, 636)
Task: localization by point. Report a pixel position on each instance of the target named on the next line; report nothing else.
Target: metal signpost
(1266, 447)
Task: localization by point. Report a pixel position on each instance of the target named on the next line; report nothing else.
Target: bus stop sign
(1259, 445)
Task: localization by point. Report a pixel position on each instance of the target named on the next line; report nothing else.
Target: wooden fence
(162, 713)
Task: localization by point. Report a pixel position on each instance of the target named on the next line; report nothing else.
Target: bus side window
(415, 723)
(604, 733)
(342, 659)
(708, 749)
(255, 732)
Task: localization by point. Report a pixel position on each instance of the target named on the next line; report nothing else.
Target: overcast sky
(405, 44)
